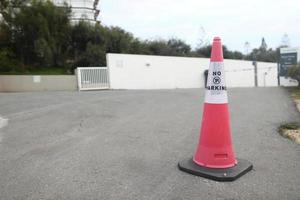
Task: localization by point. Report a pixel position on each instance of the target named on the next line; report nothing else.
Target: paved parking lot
(126, 145)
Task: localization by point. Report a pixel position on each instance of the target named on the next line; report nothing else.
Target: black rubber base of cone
(227, 174)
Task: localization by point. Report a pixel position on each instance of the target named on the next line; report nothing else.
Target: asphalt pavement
(126, 145)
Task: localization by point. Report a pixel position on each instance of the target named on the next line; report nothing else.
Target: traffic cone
(215, 158)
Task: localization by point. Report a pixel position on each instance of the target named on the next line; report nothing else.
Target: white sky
(234, 21)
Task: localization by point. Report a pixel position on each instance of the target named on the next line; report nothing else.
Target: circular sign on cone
(214, 157)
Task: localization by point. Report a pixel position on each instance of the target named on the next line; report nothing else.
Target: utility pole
(278, 72)
(254, 63)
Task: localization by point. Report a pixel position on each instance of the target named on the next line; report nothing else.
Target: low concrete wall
(26, 83)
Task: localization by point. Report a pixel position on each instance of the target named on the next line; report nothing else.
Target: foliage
(93, 56)
(38, 71)
(88, 45)
(8, 62)
(178, 47)
(294, 72)
(36, 35)
(205, 52)
(118, 40)
(290, 126)
(295, 92)
(263, 53)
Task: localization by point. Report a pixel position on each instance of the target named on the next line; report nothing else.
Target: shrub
(294, 72)
(7, 61)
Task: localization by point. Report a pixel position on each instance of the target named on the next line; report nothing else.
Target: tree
(8, 62)
(294, 72)
(38, 34)
(206, 51)
(231, 54)
(262, 53)
(178, 47)
(263, 46)
(139, 47)
(118, 40)
(94, 55)
(9, 7)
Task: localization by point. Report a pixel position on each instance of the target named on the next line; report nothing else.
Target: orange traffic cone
(214, 157)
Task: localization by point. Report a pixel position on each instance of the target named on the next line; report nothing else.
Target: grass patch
(295, 92)
(290, 131)
(289, 126)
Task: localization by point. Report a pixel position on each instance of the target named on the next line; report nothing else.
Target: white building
(128, 71)
(82, 9)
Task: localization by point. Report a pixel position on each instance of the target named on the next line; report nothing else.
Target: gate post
(78, 73)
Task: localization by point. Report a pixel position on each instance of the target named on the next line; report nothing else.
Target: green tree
(118, 40)
(232, 54)
(38, 32)
(294, 72)
(43, 52)
(8, 62)
(206, 51)
(158, 47)
(94, 55)
(178, 47)
(88, 44)
(263, 54)
(171, 47)
(139, 47)
(8, 59)
(263, 46)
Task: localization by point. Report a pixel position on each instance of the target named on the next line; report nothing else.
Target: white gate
(92, 78)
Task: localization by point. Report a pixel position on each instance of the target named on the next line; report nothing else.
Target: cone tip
(217, 39)
(216, 51)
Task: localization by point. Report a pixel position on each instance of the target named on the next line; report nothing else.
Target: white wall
(287, 81)
(164, 72)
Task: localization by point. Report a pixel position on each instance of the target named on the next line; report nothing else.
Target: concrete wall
(165, 72)
(24, 83)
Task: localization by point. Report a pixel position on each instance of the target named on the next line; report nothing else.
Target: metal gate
(92, 78)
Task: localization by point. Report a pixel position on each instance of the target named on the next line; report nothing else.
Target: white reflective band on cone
(216, 90)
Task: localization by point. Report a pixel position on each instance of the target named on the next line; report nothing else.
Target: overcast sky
(235, 21)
